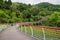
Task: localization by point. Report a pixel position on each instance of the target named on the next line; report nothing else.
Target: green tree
(1, 3)
(34, 10)
(3, 17)
(53, 19)
(7, 4)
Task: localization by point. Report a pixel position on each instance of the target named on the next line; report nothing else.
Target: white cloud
(37, 1)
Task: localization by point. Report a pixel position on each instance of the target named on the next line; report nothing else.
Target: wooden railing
(41, 32)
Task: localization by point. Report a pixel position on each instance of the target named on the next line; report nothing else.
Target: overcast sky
(37, 1)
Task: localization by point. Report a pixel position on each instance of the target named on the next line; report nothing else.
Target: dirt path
(13, 34)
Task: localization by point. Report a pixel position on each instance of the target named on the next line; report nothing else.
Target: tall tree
(1, 2)
(9, 2)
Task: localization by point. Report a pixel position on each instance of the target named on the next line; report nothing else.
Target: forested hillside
(18, 12)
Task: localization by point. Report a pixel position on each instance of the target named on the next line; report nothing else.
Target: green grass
(50, 34)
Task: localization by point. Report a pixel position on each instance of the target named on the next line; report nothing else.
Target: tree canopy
(18, 12)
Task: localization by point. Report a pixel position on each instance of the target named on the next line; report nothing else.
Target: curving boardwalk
(13, 34)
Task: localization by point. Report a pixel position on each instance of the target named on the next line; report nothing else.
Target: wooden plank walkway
(13, 34)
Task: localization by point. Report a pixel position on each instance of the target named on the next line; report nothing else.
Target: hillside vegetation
(19, 12)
